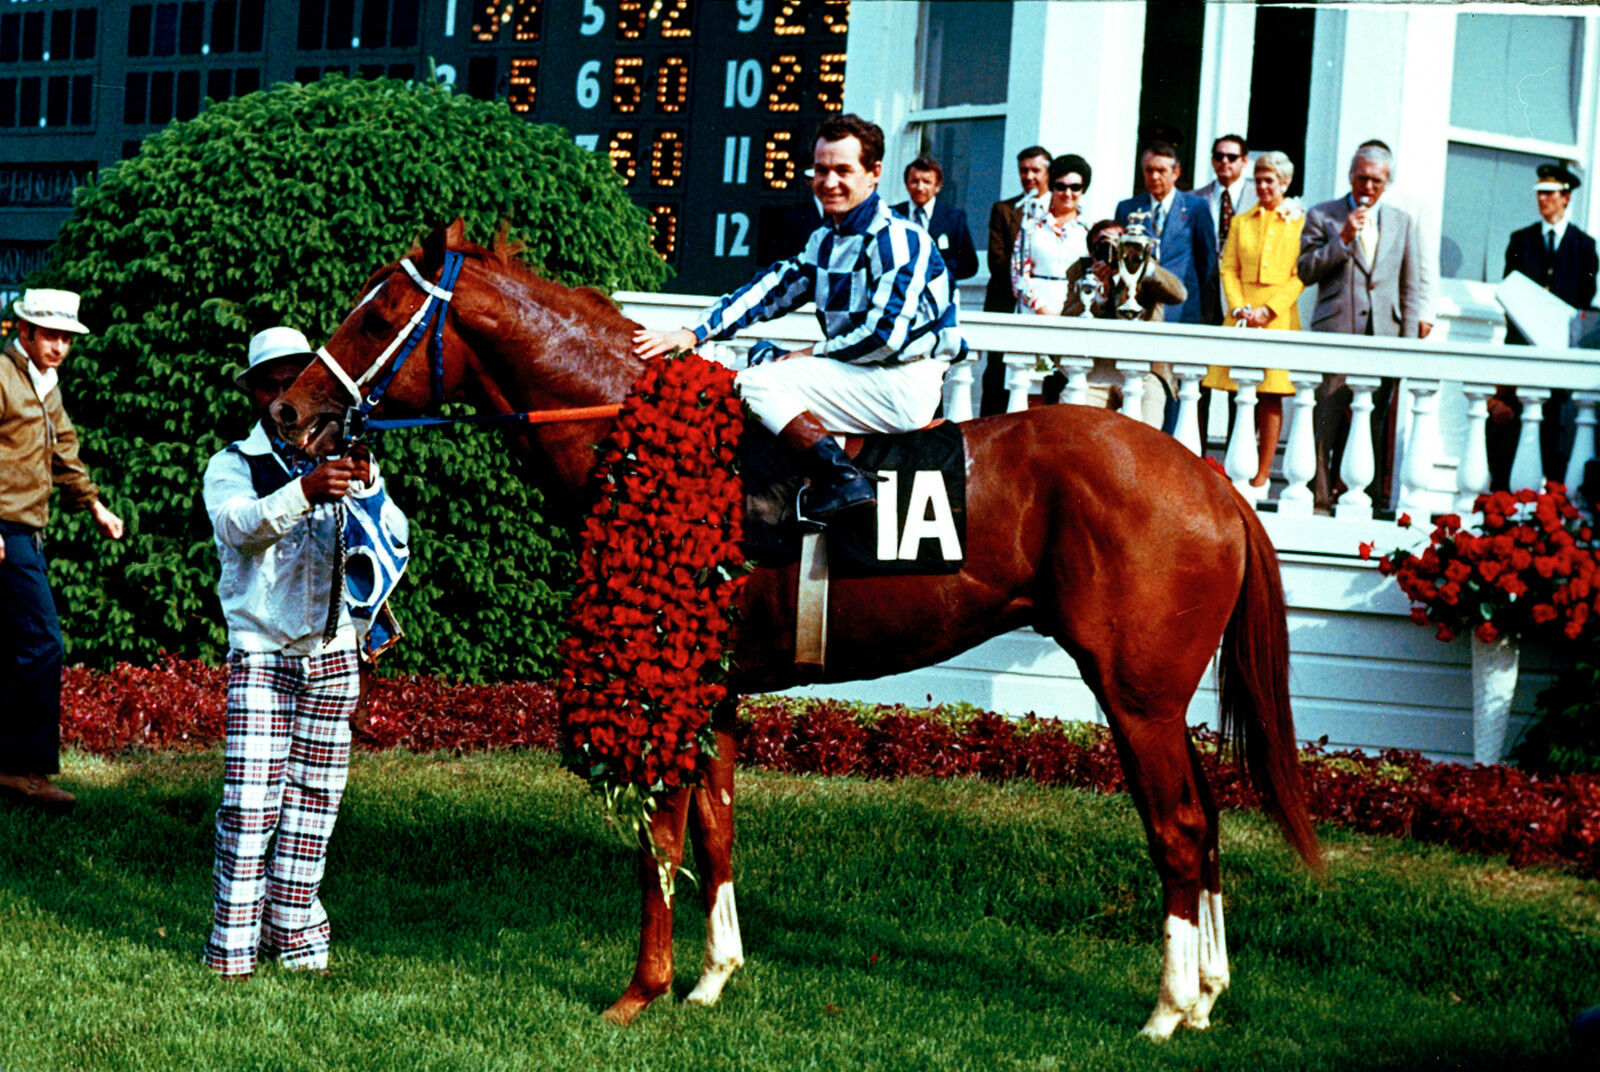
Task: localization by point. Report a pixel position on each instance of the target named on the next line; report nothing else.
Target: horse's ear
(437, 241)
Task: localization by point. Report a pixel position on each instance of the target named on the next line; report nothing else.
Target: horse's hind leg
(1213, 940)
(711, 822)
(1164, 784)
(652, 975)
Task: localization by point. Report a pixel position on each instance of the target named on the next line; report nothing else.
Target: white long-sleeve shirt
(277, 556)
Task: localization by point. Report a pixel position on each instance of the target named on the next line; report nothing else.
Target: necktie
(1549, 239)
(1368, 237)
(1224, 218)
(922, 217)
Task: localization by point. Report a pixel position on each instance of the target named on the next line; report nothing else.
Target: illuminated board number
(524, 20)
(627, 89)
(791, 18)
(675, 19)
(836, 15)
(785, 94)
(630, 19)
(830, 81)
(672, 83)
(778, 167)
(743, 85)
(623, 148)
(489, 16)
(736, 159)
(594, 18)
(666, 159)
(589, 84)
(733, 234)
(749, 15)
(524, 84)
(664, 222)
(486, 20)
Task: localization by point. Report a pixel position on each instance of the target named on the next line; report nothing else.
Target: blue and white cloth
(883, 293)
(377, 539)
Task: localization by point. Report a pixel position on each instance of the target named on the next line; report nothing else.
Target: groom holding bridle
(887, 306)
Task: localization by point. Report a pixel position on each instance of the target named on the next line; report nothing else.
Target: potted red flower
(1524, 570)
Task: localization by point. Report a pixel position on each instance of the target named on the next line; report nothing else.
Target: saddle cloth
(918, 526)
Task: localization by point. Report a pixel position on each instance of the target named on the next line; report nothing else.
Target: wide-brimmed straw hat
(273, 344)
(54, 309)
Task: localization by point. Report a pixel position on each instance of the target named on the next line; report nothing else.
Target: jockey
(887, 306)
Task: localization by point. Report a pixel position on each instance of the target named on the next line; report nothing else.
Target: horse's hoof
(712, 980)
(1161, 1025)
(626, 1010)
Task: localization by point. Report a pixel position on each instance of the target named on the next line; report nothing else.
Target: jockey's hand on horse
(330, 481)
(648, 344)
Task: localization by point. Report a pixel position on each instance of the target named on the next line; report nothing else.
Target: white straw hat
(54, 309)
(271, 345)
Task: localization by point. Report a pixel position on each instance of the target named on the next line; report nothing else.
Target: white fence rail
(1440, 460)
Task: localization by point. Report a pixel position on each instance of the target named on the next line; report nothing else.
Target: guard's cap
(1556, 178)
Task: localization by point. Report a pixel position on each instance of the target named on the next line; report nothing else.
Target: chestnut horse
(1094, 529)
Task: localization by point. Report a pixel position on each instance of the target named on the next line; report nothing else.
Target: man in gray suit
(1362, 257)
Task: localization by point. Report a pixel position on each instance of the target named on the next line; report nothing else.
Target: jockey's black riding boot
(836, 484)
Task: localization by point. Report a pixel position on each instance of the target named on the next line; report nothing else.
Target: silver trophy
(1134, 251)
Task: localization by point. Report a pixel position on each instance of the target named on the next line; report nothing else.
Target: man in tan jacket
(38, 450)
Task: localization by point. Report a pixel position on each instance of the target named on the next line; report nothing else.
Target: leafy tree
(273, 209)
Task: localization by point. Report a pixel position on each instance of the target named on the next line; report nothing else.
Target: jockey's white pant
(855, 399)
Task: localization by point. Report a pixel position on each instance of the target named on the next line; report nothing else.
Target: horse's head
(365, 347)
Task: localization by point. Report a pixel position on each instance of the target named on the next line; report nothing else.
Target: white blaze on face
(1180, 978)
(724, 948)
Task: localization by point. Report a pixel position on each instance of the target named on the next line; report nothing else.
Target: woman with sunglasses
(1050, 243)
(1260, 289)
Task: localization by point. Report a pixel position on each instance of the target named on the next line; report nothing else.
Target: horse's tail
(1253, 685)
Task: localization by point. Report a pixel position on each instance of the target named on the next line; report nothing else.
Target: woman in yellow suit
(1260, 289)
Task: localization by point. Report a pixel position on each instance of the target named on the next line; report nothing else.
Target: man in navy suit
(1553, 252)
(1186, 242)
(945, 223)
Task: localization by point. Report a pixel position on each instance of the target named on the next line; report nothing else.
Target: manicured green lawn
(484, 917)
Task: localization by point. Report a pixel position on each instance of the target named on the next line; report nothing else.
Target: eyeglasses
(1226, 158)
(1067, 187)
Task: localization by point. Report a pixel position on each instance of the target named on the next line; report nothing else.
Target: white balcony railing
(1440, 456)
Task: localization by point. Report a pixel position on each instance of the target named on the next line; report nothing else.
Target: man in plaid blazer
(887, 306)
(293, 677)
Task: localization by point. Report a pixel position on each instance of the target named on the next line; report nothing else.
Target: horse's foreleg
(652, 975)
(712, 823)
(1213, 939)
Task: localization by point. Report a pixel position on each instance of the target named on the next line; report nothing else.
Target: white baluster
(1133, 374)
(1076, 370)
(1527, 471)
(1018, 380)
(1300, 452)
(958, 392)
(1188, 430)
(1582, 445)
(1358, 467)
(1472, 476)
(1242, 458)
(1422, 449)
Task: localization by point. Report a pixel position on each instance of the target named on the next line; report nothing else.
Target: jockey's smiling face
(838, 179)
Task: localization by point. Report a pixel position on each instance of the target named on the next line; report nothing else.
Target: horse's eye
(372, 323)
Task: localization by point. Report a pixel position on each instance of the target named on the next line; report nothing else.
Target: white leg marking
(1180, 978)
(724, 948)
(1213, 960)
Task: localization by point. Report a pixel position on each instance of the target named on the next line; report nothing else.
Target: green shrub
(274, 208)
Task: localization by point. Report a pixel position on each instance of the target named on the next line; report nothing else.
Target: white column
(1422, 448)
(1076, 370)
(1188, 430)
(1582, 445)
(1227, 50)
(1528, 469)
(1133, 374)
(1018, 381)
(1300, 452)
(1472, 475)
(958, 391)
(1358, 467)
(1241, 460)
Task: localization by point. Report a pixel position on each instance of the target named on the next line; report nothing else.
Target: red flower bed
(1530, 818)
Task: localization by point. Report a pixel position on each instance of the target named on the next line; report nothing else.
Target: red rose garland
(660, 568)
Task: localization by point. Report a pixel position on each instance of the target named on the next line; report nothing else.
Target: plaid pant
(286, 761)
